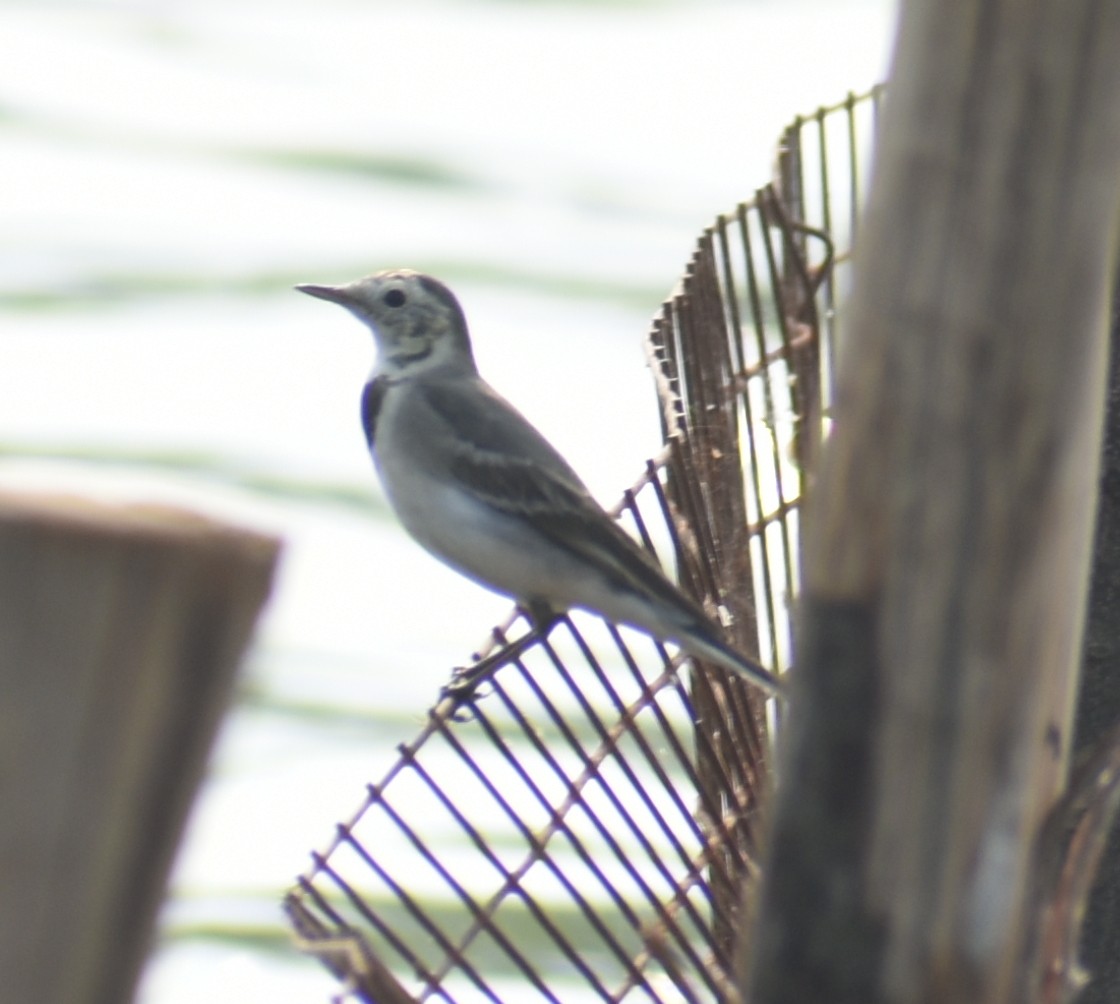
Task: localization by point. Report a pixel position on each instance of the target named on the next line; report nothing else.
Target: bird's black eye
(394, 298)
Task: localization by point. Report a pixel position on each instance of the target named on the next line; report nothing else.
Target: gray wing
(507, 464)
(493, 440)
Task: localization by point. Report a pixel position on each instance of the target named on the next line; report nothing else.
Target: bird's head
(416, 320)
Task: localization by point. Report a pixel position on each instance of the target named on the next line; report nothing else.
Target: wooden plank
(947, 542)
(120, 632)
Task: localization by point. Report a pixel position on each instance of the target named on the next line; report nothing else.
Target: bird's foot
(458, 695)
(462, 689)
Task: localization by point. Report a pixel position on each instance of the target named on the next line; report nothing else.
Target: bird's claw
(458, 695)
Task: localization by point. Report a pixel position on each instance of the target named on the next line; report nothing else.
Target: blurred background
(169, 169)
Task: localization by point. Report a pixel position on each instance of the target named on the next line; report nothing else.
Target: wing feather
(500, 459)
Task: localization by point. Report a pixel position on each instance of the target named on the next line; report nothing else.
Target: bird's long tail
(706, 645)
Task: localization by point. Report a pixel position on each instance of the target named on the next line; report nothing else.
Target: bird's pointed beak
(342, 295)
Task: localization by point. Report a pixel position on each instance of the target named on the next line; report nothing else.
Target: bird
(477, 486)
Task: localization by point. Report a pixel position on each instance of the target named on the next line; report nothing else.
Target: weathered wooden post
(120, 631)
(946, 550)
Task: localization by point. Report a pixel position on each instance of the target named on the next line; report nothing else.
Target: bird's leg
(465, 680)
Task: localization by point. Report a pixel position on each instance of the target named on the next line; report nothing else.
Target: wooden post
(1098, 703)
(946, 548)
(120, 631)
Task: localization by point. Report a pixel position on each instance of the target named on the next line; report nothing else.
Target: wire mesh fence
(823, 167)
(587, 826)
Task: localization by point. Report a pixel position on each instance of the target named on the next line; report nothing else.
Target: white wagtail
(476, 485)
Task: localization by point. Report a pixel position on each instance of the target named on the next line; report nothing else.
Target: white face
(417, 322)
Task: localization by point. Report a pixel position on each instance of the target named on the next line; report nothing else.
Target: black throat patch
(372, 397)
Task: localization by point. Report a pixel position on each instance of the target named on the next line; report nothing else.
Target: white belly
(509, 557)
(502, 554)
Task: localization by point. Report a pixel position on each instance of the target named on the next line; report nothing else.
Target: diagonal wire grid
(591, 830)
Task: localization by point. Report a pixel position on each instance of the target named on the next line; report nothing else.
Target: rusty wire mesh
(824, 161)
(591, 831)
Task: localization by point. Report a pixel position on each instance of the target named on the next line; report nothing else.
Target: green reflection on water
(213, 468)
